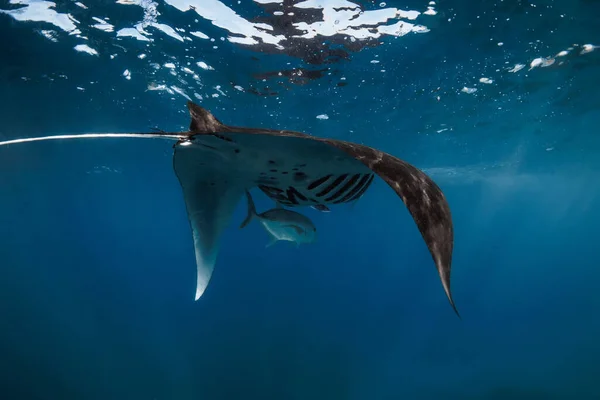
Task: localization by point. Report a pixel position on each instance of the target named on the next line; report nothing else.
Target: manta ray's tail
(153, 135)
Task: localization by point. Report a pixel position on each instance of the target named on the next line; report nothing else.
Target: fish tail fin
(251, 210)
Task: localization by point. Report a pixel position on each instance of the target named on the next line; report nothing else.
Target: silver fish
(215, 163)
(282, 224)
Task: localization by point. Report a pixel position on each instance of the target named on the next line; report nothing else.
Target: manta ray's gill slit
(291, 197)
(274, 193)
(363, 189)
(318, 182)
(270, 189)
(169, 136)
(344, 188)
(358, 187)
(293, 191)
(332, 185)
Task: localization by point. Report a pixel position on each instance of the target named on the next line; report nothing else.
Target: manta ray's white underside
(214, 172)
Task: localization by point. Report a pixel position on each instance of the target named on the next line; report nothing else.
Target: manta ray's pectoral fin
(210, 197)
(423, 198)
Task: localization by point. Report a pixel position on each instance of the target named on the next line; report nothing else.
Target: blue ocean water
(496, 100)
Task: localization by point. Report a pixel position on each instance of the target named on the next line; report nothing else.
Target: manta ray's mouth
(216, 164)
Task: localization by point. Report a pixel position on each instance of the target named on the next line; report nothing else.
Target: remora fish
(282, 224)
(215, 163)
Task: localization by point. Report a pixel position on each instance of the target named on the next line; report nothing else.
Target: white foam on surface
(167, 30)
(41, 11)
(134, 33)
(226, 18)
(347, 18)
(204, 65)
(199, 35)
(102, 25)
(84, 48)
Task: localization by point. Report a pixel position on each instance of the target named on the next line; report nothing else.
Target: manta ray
(216, 164)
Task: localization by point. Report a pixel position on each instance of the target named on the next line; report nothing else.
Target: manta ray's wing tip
(423, 198)
(446, 284)
(199, 291)
(451, 300)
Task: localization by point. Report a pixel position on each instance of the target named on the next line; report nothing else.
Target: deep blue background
(97, 267)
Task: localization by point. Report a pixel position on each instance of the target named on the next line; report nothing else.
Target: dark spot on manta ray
(224, 138)
(284, 172)
(300, 176)
(273, 170)
(236, 150)
(272, 162)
